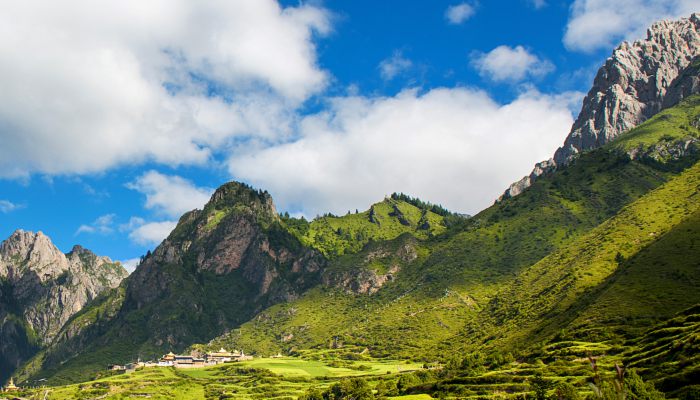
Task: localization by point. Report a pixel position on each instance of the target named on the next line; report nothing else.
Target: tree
(350, 389)
(540, 386)
(406, 381)
(637, 389)
(387, 388)
(566, 391)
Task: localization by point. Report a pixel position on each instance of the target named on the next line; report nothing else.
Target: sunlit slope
(510, 269)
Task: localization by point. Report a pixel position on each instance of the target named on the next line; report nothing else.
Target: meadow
(261, 378)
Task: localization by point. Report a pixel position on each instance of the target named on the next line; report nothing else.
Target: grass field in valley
(262, 378)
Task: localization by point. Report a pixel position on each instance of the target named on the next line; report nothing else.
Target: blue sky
(116, 119)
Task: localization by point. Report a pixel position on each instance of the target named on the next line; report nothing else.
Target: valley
(581, 281)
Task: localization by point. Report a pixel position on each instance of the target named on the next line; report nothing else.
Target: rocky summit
(636, 82)
(41, 288)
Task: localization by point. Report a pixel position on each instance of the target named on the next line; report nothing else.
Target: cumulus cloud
(393, 66)
(506, 63)
(457, 147)
(88, 86)
(170, 195)
(596, 24)
(7, 206)
(152, 233)
(102, 225)
(458, 13)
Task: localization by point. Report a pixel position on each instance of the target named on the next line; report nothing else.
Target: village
(186, 361)
(170, 360)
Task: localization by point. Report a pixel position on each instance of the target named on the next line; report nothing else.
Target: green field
(262, 378)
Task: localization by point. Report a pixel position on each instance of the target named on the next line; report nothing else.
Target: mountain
(588, 259)
(636, 82)
(220, 267)
(41, 288)
(464, 287)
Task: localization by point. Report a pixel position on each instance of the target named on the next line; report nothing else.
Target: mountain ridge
(42, 288)
(637, 81)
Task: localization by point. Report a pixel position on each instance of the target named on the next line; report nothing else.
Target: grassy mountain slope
(669, 354)
(512, 266)
(510, 278)
(174, 299)
(545, 295)
(335, 236)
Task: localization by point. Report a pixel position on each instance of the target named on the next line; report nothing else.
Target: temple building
(10, 387)
(221, 356)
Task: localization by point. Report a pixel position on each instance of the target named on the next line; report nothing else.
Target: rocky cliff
(636, 82)
(41, 288)
(218, 267)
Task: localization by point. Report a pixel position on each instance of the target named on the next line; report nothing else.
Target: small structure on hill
(10, 387)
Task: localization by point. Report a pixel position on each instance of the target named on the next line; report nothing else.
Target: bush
(566, 391)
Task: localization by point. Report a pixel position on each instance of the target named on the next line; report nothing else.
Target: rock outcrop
(359, 274)
(41, 288)
(636, 82)
(218, 267)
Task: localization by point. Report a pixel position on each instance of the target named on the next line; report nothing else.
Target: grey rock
(41, 289)
(636, 82)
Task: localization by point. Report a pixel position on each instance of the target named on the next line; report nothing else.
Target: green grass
(255, 379)
(338, 235)
(580, 263)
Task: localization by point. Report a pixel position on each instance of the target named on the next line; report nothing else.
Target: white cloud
(393, 66)
(134, 222)
(538, 3)
(456, 147)
(131, 264)
(90, 85)
(168, 195)
(457, 14)
(152, 233)
(506, 63)
(7, 206)
(102, 225)
(596, 24)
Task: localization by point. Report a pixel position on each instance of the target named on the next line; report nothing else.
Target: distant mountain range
(598, 246)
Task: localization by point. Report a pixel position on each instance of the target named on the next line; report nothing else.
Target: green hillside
(198, 305)
(335, 236)
(497, 274)
(582, 263)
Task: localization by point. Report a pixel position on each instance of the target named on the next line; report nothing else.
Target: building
(221, 356)
(167, 360)
(188, 362)
(10, 387)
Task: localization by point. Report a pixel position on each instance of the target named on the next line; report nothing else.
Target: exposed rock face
(220, 265)
(636, 82)
(362, 279)
(41, 288)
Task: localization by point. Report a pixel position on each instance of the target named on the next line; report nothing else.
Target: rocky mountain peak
(33, 251)
(637, 81)
(234, 194)
(42, 287)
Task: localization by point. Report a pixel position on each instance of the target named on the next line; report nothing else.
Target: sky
(118, 117)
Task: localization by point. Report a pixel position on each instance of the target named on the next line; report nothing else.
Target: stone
(637, 81)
